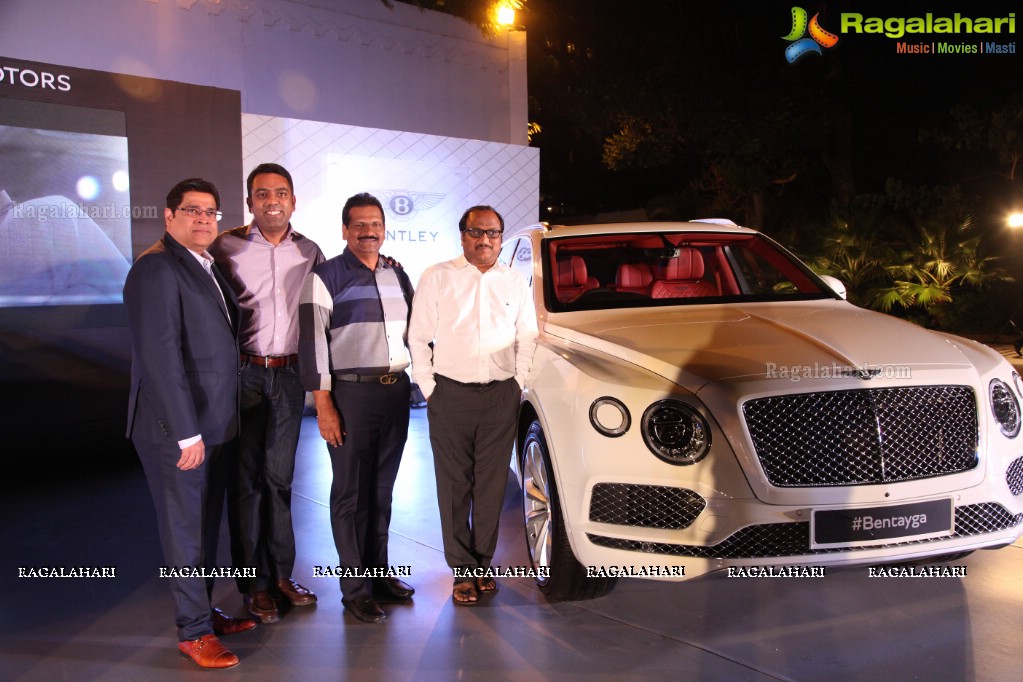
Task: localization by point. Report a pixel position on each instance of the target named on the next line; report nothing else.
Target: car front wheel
(546, 538)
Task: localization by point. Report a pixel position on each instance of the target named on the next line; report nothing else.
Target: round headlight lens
(1004, 407)
(610, 417)
(676, 432)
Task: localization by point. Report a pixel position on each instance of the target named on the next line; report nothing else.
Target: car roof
(716, 226)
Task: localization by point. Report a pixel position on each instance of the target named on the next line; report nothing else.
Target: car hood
(721, 343)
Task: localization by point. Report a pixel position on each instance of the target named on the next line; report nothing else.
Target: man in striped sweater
(353, 320)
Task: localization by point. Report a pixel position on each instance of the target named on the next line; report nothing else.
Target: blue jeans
(272, 400)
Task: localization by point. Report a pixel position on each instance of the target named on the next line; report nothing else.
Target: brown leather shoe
(224, 624)
(295, 593)
(262, 606)
(208, 652)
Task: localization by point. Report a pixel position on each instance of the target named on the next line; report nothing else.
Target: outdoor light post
(1015, 223)
(518, 118)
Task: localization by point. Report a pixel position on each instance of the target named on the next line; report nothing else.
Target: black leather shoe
(392, 589)
(365, 609)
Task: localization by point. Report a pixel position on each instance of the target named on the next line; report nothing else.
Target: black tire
(546, 540)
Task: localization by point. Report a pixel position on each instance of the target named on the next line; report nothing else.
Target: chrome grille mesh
(864, 436)
(647, 506)
(1014, 477)
(793, 539)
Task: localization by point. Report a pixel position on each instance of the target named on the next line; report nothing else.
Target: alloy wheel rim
(536, 507)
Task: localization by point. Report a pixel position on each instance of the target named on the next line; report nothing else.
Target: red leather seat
(571, 279)
(634, 278)
(681, 277)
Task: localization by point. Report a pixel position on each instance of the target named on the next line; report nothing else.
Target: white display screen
(65, 210)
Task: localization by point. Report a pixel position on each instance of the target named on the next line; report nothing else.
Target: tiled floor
(846, 626)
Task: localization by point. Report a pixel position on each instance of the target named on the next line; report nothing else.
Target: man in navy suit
(183, 405)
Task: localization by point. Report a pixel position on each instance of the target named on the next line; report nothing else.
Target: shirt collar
(353, 261)
(462, 262)
(253, 234)
(204, 259)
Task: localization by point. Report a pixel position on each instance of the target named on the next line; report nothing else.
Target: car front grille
(793, 539)
(864, 436)
(647, 506)
(1014, 476)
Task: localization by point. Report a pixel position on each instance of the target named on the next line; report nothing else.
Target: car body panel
(723, 343)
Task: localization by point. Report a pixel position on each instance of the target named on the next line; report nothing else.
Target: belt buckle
(388, 379)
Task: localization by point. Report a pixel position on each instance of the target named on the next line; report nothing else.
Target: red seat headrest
(688, 264)
(571, 272)
(634, 275)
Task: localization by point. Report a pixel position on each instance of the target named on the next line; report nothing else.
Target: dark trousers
(472, 430)
(375, 417)
(188, 513)
(272, 400)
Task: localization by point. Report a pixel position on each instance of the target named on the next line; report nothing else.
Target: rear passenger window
(518, 255)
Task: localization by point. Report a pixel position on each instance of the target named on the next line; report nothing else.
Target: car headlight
(610, 417)
(1004, 407)
(675, 432)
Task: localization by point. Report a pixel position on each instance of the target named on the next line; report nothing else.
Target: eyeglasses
(195, 212)
(476, 233)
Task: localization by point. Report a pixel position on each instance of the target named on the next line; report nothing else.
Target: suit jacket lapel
(193, 266)
(229, 299)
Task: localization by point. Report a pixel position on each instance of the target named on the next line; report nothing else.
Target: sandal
(464, 594)
(486, 585)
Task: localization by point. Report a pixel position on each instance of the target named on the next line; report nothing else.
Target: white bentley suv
(701, 400)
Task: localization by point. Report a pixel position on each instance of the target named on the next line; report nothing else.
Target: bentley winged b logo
(403, 204)
(862, 372)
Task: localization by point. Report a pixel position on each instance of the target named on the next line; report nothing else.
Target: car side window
(507, 253)
(518, 255)
(755, 274)
(523, 260)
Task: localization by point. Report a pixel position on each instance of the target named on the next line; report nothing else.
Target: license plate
(880, 525)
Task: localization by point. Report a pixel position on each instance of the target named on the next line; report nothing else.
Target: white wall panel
(347, 61)
(424, 181)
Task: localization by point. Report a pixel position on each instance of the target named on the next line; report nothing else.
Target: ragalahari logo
(802, 46)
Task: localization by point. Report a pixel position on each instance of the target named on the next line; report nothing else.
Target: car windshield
(635, 270)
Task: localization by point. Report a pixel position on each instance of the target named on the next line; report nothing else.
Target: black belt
(272, 361)
(389, 378)
(485, 384)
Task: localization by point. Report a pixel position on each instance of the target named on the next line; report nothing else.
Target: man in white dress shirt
(479, 316)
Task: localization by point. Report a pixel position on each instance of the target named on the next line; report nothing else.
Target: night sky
(734, 54)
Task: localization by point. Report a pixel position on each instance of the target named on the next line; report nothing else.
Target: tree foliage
(998, 132)
(911, 251)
